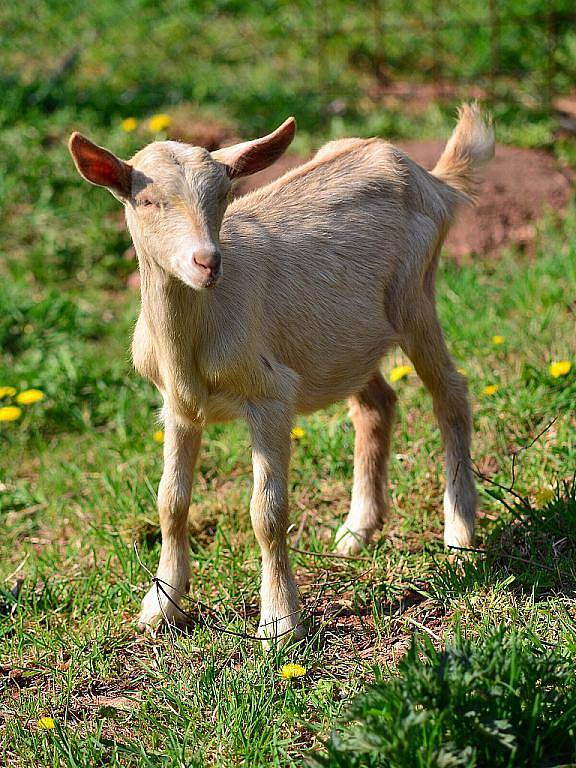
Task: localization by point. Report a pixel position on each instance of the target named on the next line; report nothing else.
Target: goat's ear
(251, 156)
(99, 166)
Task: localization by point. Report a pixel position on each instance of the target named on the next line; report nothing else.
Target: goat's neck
(174, 312)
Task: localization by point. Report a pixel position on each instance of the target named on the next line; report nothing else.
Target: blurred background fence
(321, 59)
(505, 50)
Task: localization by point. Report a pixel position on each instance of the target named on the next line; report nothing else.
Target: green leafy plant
(503, 701)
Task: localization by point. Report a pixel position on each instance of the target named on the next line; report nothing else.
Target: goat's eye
(148, 203)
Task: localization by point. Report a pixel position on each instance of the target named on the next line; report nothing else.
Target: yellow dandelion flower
(560, 368)
(291, 671)
(7, 391)
(160, 122)
(491, 389)
(29, 396)
(543, 496)
(297, 433)
(129, 124)
(10, 413)
(400, 372)
(46, 723)
(158, 436)
(496, 340)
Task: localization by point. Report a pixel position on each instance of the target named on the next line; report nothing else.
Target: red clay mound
(520, 185)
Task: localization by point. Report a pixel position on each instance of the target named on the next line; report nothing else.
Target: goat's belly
(315, 397)
(224, 407)
(327, 384)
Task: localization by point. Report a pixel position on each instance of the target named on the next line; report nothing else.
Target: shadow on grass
(527, 550)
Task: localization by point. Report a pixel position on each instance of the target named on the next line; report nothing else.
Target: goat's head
(175, 195)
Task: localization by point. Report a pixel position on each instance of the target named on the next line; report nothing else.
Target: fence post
(437, 69)
(378, 56)
(551, 54)
(321, 13)
(494, 48)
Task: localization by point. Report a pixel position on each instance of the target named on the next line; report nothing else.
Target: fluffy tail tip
(476, 131)
(469, 148)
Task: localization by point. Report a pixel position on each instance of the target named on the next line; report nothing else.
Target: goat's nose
(208, 259)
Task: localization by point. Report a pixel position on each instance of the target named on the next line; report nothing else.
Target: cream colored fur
(324, 271)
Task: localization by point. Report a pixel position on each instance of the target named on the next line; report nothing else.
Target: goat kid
(282, 302)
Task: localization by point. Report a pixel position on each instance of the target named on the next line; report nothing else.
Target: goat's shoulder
(362, 162)
(351, 156)
(338, 147)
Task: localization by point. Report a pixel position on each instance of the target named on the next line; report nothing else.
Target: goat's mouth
(200, 270)
(199, 281)
(210, 281)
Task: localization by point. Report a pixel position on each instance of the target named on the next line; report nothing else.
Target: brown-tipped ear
(99, 166)
(251, 156)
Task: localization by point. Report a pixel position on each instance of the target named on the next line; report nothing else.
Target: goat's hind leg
(424, 343)
(372, 412)
(181, 445)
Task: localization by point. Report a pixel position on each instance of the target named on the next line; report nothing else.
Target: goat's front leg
(269, 424)
(181, 445)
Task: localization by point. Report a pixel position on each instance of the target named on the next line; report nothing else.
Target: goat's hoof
(276, 632)
(156, 610)
(350, 542)
(458, 536)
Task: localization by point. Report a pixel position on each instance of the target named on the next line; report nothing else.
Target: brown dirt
(199, 128)
(520, 185)
(415, 98)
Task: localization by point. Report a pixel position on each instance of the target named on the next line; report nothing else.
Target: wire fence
(508, 55)
(323, 57)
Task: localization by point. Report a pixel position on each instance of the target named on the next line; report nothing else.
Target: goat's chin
(197, 281)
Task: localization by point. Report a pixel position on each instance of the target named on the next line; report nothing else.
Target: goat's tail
(469, 148)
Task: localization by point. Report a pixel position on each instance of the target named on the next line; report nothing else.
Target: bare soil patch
(520, 185)
(199, 128)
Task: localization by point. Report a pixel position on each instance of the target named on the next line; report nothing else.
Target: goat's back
(345, 181)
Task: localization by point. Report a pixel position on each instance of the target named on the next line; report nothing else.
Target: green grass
(253, 60)
(79, 469)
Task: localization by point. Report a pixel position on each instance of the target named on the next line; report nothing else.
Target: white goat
(325, 270)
